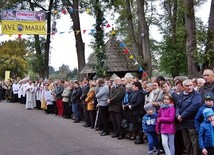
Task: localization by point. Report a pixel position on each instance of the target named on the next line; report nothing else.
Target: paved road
(32, 132)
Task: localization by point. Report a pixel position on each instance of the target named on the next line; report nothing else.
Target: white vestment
(48, 97)
(30, 97)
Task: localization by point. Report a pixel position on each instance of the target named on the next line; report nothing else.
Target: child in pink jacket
(166, 124)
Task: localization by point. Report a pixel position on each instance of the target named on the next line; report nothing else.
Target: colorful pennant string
(122, 45)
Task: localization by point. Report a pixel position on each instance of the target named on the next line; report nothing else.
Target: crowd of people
(175, 116)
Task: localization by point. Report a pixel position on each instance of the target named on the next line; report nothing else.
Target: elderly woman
(200, 83)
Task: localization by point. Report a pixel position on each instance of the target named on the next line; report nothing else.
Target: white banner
(23, 15)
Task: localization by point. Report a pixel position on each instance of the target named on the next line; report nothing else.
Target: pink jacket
(166, 120)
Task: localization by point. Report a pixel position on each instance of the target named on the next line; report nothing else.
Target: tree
(99, 46)
(172, 48)
(209, 52)
(134, 20)
(73, 10)
(44, 70)
(42, 57)
(13, 58)
(191, 38)
(51, 70)
(144, 31)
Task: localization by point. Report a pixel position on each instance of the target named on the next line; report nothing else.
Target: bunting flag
(19, 36)
(77, 32)
(140, 69)
(64, 11)
(55, 11)
(113, 32)
(92, 31)
(122, 45)
(144, 74)
(136, 63)
(126, 50)
(88, 11)
(131, 57)
(108, 25)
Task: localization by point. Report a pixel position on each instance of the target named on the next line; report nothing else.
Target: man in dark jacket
(208, 75)
(75, 101)
(115, 106)
(186, 110)
(83, 96)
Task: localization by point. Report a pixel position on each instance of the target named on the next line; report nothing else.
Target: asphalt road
(32, 132)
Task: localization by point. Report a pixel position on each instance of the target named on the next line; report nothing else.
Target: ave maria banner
(23, 27)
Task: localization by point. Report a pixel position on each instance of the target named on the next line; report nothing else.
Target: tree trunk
(209, 63)
(48, 40)
(136, 50)
(80, 45)
(38, 48)
(145, 37)
(41, 70)
(191, 37)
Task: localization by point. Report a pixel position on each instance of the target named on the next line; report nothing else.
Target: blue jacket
(149, 123)
(199, 118)
(187, 106)
(206, 135)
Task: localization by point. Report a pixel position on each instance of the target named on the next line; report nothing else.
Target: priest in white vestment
(30, 96)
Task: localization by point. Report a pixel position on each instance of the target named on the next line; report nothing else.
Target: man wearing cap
(206, 133)
(186, 109)
(208, 76)
(117, 92)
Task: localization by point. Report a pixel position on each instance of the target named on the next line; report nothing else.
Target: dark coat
(208, 87)
(137, 103)
(116, 97)
(59, 91)
(187, 106)
(75, 96)
(85, 90)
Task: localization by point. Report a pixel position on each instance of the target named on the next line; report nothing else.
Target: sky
(63, 49)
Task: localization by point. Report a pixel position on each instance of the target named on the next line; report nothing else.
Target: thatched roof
(117, 60)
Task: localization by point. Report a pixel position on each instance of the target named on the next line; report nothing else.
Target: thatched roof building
(117, 61)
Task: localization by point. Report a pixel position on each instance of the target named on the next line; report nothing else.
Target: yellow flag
(55, 11)
(7, 75)
(88, 11)
(77, 32)
(113, 32)
(131, 56)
